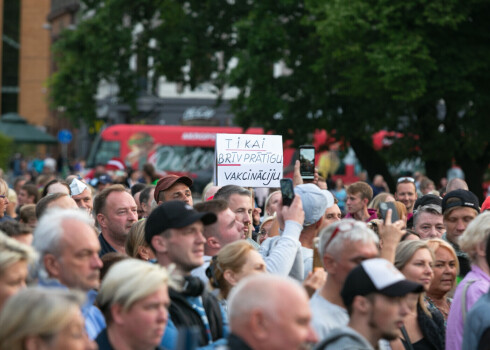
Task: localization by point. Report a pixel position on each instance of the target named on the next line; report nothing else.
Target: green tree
(417, 67)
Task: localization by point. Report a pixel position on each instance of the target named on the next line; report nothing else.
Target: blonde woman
(446, 268)
(234, 262)
(423, 328)
(4, 200)
(14, 260)
(136, 246)
(39, 319)
(134, 300)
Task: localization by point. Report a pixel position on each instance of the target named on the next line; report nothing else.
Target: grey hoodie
(344, 338)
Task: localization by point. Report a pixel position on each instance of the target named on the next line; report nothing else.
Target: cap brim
(206, 218)
(402, 288)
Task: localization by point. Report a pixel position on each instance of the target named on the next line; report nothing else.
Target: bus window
(184, 159)
(106, 151)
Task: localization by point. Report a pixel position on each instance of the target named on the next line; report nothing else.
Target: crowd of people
(115, 262)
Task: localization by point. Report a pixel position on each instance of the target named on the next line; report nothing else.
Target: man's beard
(385, 335)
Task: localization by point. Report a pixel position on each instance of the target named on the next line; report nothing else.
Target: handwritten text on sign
(248, 160)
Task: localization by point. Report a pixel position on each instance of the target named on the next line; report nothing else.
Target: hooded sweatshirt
(344, 338)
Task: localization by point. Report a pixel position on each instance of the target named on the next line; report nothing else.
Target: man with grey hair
(427, 217)
(146, 198)
(240, 202)
(68, 249)
(342, 246)
(278, 319)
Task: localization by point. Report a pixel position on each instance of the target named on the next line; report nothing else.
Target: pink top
(480, 286)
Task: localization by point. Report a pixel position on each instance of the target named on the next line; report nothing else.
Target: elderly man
(174, 230)
(146, 197)
(342, 246)
(278, 319)
(373, 294)
(459, 208)
(115, 211)
(427, 218)
(239, 200)
(82, 195)
(173, 187)
(69, 258)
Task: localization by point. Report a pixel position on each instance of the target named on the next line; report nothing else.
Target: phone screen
(307, 162)
(287, 191)
(383, 207)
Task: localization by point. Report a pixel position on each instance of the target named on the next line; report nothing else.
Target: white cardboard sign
(248, 160)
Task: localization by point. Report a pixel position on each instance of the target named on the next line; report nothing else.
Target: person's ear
(144, 252)
(361, 304)
(481, 249)
(329, 263)
(101, 219)
(116, 313)
(52, 265)
(259, 324)
(365, 201)
(212, 242)
(159, 243)
(230, 277)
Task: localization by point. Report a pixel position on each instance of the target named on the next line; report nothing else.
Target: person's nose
(404, 309)
(97, 262)
(311, 336)
(461, 226)
(162, 315)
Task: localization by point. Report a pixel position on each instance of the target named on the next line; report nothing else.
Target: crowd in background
(122, 259)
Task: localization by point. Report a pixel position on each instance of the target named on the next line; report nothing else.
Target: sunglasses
(406, 179)
(341, 228)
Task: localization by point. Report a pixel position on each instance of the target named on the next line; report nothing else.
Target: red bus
(172, 149)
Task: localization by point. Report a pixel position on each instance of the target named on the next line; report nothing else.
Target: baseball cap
(377, 276)
(174, 214)
(167, 181)
(463, 198)
(315, 202)
(486, 204)
(428, 199)
(115, 164)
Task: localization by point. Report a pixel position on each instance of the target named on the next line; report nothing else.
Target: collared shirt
(479, 286)
(105, 247)
(94, 320)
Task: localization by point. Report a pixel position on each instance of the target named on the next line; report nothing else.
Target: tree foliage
(418, 67)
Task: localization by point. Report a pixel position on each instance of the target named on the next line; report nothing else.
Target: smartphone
(307, 161)
(287, 191)
(384, 206)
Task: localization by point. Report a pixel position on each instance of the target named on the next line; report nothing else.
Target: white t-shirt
(326, 316)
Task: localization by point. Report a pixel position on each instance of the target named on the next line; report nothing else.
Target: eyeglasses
(406, 179)
(2, 196)
(263, 232)
(341, 228)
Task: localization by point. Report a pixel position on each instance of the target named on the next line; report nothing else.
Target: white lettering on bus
(198, 136)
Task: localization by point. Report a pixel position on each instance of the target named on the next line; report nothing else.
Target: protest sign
(248, 160)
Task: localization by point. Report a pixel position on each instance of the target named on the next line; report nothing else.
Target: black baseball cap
(428, 199)
(377, 276)
(460, 198)
(174, 214)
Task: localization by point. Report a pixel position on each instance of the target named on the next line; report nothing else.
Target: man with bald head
(456, 184)
(278, 319)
